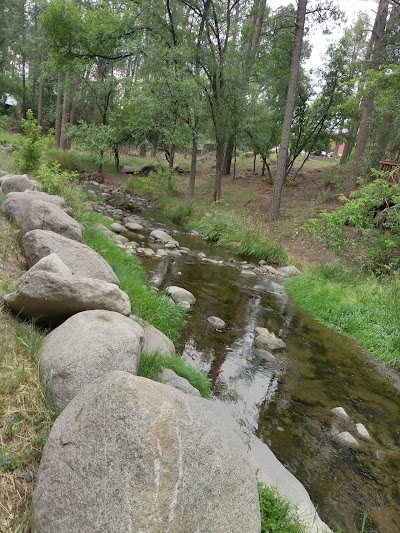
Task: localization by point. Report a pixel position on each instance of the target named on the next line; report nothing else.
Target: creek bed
(287, 403)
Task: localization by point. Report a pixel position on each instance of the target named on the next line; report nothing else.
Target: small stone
(263, 354)
(133, 226)
(362, 431)
(161, 253)
(248, 273)
(215, 322)
(262, 262)
(289, 271)
(201, 255)
(120, 239)
(347, 438)
(339, 411)
(184, 305)
(116, 227)
(279, 428)
(171, 245)
(148, 252)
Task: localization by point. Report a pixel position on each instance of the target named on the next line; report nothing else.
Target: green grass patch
(151, 365)
(277, 515)
(155, 308)
(220, 228)
(362, 306)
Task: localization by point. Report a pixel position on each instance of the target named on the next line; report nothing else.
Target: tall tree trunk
(218, 169)
(273, 212)
(349, 144)
(41, 91)
(116, 157)
(228, 156)
(142, 150)
(23, 106)
(171, 156)
(367, 103)
(154, 149)
(193, 164)
(65, 113)
(58, 111)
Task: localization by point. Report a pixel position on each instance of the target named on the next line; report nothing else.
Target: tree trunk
(218, 169)
(23, 106)
(65, 113)
(367, 103)
(273, 212)
(154, 149)
(41, 92)
(193, 164)
(116, 157)
(228, 156)
(58, 111)
(171, 156)
(142, 150)
(254, 163)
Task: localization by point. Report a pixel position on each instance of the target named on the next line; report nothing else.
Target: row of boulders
(346, 437)
(126, 453)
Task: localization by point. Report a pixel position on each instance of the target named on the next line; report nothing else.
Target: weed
(151, 364)
(277, 515)
(28, 158)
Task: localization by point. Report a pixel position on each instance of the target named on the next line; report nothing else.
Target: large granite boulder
(161, 236)
(84, 348)
(51, 298)
(129, 454)
(18, 183)
(154, 339)
(82, 260)
(17, 203)
(46, 216)
(179, 295)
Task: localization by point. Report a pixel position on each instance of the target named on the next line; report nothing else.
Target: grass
(25, 418)
(151, 365)
(155, 308)
(362, 306)
(277, 515)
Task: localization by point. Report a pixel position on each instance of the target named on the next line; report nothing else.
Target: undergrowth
(277, 515)
(358, 305)
(151, 365)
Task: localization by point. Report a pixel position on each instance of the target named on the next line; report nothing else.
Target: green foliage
(372, 207)
(179, 212)
(151, 365)
(157, 184)
(219, 227)
(29, 157)
(94, 139)
(361, 306)
(277, 515)
(52, 179)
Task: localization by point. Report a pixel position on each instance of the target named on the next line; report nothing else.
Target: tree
(289, 111)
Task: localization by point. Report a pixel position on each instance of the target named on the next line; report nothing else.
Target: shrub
(52, 178)
(373, 210)
(29, 157)
(158, 183)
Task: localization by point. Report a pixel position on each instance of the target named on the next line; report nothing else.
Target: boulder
(82, 260)
(50, 263)
(17, 183)
(17, 203)
(169, 377)
(130, 454)
(133, 226)
(45, 216)
(263, 354)
(116, 227)
(267, 340)
(288, 271)
(104, 230)
(362, 431)
(248, 273)
(347, 439)
(84, 348)
(52, 298)
(154, 339)
(339, 411)
(161, 236)
(180, 295)
(215, 322)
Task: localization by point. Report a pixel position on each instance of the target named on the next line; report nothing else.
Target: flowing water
(287, 403)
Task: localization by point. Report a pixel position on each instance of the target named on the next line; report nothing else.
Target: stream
(287, 403)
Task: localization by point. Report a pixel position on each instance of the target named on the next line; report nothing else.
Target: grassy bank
(358, 305)
(217, 221)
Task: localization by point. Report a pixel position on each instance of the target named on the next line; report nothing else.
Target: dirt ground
(249, 195)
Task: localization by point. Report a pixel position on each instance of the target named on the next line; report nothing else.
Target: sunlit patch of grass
(151, 365)
(362, 306)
